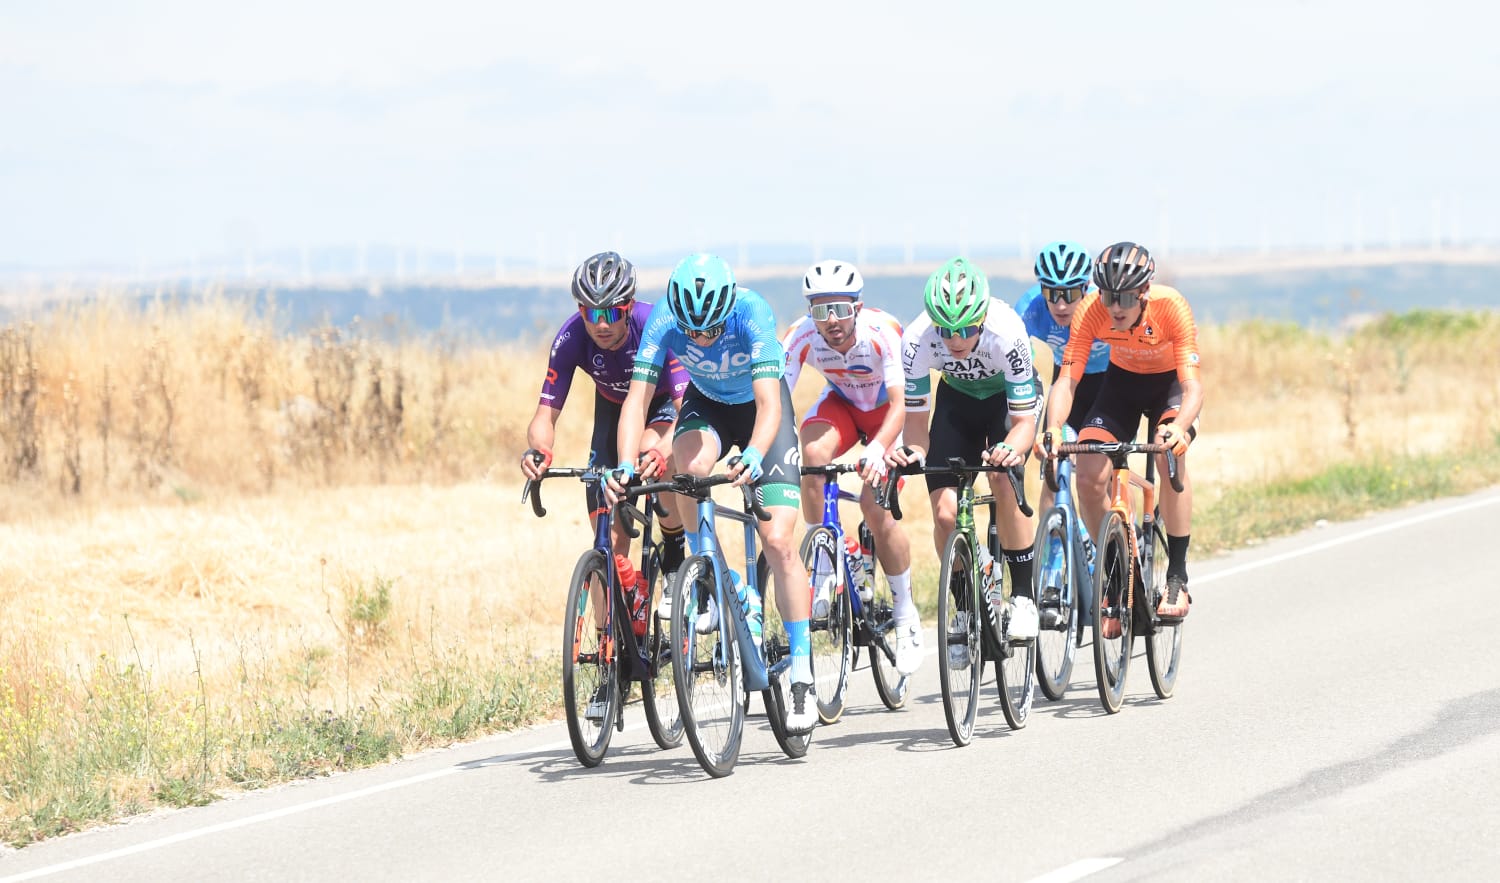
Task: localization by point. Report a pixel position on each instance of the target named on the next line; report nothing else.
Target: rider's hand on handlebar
(535, 461)
(872, 464)
(1174, 435)
(652, 462)
(1002, 454)
(615, 481)
(905, 456)
(1047, 442)
(746, 467)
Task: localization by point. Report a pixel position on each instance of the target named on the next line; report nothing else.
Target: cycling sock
(799, 644)
(906, 608)
(1177, 556)
(1019, 562)
(673, 533)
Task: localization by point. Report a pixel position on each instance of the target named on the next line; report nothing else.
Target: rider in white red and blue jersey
(725, 336)
(857, 349)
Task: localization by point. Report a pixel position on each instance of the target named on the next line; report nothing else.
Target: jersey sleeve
(888, 345)
(1027, 309)
(1184, 339)
(916, 366)
(652, 353)
(1022, 390)
(677, 376)
(562, 361)
(767, 358)
(797, 346)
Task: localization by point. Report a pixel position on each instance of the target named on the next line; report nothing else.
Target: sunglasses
(606, 315)
(710, 333)
(839, 309)
(1063, 295)
(961, 333)
(1125, 299)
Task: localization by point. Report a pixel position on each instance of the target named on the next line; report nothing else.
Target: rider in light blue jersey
(1062, 273)
(725, 337)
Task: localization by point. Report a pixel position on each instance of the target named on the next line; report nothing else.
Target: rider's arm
(916, 367)
(1185, 344)
(541, 433)
(633, 420)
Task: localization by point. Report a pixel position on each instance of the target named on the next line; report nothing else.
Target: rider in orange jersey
(1153, 373)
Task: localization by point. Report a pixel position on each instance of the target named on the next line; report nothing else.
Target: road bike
(1130, 573)
(861, 608)
(743, 652)
(1062, 579)
(601, 653)
(975, 579)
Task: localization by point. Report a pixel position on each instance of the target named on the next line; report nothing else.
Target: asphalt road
(1337, 717)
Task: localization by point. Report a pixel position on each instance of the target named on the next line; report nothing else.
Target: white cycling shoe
(801, 708)
(708, 620)
(1024, 622)
(908, 646)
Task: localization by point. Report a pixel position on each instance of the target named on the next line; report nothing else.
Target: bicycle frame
(847, 564)
(1061, 485)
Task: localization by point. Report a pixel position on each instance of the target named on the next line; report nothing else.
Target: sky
(147, 133)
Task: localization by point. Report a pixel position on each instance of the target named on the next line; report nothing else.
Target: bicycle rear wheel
(1055, 647)
(589, 662)
(1112, 576)
(707, 671)
(959, 623)
(1164, 643)
(1015, 673)
(831, 634)
(880, 625)
(659, 693)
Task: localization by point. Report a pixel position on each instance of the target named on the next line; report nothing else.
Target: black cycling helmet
(604, 280)
(1123, 266)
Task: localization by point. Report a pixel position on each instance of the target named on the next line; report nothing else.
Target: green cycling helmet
(957, 295)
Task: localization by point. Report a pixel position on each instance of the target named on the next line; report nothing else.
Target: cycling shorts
(851, 424)
(731, 425)
(1084, 394)
(963, 426)
(1125, 397)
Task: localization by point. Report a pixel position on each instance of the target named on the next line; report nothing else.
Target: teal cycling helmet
(701, 292)
(957, 295)
(1063, 265)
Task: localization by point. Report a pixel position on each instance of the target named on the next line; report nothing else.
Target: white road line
(1076, 871)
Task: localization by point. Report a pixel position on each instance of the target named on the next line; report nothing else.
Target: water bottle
(867, 565)
(635, 595)
(750, 603)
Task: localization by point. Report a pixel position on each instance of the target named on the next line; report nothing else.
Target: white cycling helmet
(832, 277)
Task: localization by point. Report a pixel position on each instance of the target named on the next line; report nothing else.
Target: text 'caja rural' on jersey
(865, 375)
(1165, 338)
(573, 349)
(724, 370)
(1032, 308)
(1000, 363)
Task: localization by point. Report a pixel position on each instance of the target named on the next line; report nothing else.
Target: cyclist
(736, 396)
(979, 346)
(1047, 308)
(857, 349)
(601, 339)
(1153, 373)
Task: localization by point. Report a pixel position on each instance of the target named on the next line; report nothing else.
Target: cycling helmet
(1063, 265)
(604, 280)
(832, 277)
(1123, 266)
(957, 295)
(701, 291)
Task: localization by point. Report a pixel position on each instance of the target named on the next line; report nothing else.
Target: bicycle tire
(775, 646)
(880, 624)
(1114, 566)
(831, 636)
(959, 593)
(1164, 642)
(706, 669)
(588, 664)
(1056, 647)
(659, 691)
(1015, 674)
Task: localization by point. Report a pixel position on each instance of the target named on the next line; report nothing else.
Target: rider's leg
(893, 548)
(672, 522)
(1017, 533)
(944, 516)
(820, 444)
(695, 452)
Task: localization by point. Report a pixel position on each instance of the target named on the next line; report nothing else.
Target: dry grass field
(228, 557)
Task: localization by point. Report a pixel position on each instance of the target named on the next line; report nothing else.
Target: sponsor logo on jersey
(1014, 357)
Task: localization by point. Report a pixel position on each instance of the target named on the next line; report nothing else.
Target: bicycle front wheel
(1164, 643)
(1055, 648)
(831, 633)
(959, 622)
(659, 692)
(1015, 675)
(880, 626)
(591, 694)
(706, 668)
(1112, 620)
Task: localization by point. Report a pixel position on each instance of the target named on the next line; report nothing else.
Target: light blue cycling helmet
(1063, 265)
(701, 291)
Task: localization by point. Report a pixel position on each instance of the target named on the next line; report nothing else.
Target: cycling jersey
(1000, 362)
(863, 376)
(1033, 311)
(573, 348)
(1164, 339)
(723, 370)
